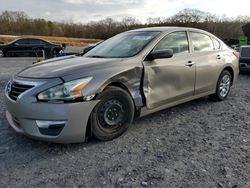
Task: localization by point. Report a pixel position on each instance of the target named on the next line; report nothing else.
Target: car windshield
(123, 45)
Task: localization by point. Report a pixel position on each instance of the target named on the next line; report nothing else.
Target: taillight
(237, 54)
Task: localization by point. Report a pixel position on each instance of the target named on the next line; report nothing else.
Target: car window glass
(36, 42)
(42, 42)
(22, 42)
(123, 45)
(201, 42)
(177, 41)
(216, 44)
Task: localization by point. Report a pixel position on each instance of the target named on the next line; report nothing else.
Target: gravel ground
(196, 144)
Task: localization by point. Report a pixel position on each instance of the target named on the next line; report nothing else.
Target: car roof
(28, 38)
(169, 29)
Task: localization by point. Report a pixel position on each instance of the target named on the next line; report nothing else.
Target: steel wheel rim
(225, 84)
(112, 114)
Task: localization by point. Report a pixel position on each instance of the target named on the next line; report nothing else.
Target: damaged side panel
(128, 74)
(131, 79)
(167, 81)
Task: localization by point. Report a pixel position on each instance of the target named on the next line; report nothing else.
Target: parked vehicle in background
(131, 74)
(244, 58)
(29, 47)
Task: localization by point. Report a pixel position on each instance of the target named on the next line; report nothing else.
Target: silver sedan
(134, 73)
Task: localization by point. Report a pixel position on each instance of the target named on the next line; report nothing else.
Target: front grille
(17, 89)
(245, 60)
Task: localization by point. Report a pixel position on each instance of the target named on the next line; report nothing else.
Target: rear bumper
(23, 117)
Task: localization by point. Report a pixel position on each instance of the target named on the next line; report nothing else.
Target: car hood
(59, 67)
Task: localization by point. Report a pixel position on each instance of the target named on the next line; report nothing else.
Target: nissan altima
(134, 73)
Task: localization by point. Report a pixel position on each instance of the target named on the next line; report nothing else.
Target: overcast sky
(87, 10)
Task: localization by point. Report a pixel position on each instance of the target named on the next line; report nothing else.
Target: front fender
(128, 76)
(131, 80)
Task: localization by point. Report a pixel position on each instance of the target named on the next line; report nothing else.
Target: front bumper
(23, 113)
(244, 64)
(244, 67)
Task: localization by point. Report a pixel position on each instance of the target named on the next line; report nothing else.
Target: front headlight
(66, 91)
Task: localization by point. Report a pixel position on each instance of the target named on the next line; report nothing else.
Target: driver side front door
(170, 80)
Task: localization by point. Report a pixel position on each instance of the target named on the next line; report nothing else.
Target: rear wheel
(223, 86)
(112, 115)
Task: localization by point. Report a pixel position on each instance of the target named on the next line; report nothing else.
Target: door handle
(218, 57)
(189, 63)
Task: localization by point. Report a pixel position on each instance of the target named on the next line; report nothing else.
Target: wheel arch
(231, 71)
(130, 81)
(118, 84)
(123, 86)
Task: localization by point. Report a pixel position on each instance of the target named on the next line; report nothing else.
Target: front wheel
(223, 86)
(112, 115)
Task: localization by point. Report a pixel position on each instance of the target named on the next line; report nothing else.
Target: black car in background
(29, 47)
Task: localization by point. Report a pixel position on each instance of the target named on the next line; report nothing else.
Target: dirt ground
(198, 144)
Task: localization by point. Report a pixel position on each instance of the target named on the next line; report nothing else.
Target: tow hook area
(50, 128)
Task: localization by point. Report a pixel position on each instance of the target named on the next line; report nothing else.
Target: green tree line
(19, 23)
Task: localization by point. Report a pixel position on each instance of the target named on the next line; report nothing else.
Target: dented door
(171, 79)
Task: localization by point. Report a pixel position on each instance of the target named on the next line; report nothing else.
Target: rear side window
(22, 42)
(201, 42)
(245, 52)
(36, 42)
(177, 41)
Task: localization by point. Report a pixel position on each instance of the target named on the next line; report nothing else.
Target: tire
(113, 115)
(54, 53)
(7, 54)
(223, 86)
(1, 53)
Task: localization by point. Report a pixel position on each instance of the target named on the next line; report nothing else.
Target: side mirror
(160, 54)
(16, 44)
